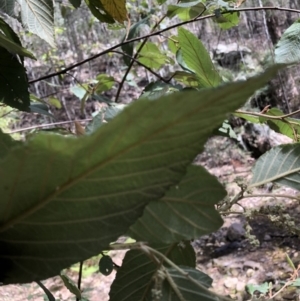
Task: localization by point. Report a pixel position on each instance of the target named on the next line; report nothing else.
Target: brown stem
(143, 65)
(134, 59)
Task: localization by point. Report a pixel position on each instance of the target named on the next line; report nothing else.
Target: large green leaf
(281, 164)
(198, 59)
(180, 214)
(13, 82)
(37, 16)
(135, 278)
(7, 143)
(288, 48)
(63, 199)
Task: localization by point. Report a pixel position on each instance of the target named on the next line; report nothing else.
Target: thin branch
(265, 115)
(266, 195)
(135, 57)
(45, 125)
(224, 209)
(227, 205)
(290, 114)
(158, 33)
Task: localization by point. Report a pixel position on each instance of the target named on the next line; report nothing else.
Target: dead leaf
(116, 9)
(79, 130)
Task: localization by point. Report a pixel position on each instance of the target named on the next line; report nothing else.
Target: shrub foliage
(66, 198)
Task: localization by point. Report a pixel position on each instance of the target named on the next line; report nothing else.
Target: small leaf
(198, 59)
(40, 108)
(105, 83)
(78, 91)
(225, 130)
(186, 78)
(262, 288)
(290, 262)
(55, 102)
(227, 21)
(296, 282)
(106, 265)
(157, 89)
(151, 56)
(173, 44)
(71, 286)
(186, 10)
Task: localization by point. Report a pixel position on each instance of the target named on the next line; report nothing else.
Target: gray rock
(236, 232)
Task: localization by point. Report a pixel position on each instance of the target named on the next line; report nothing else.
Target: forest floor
(227, 256)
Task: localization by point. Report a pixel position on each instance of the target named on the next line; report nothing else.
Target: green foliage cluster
(65, 198)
